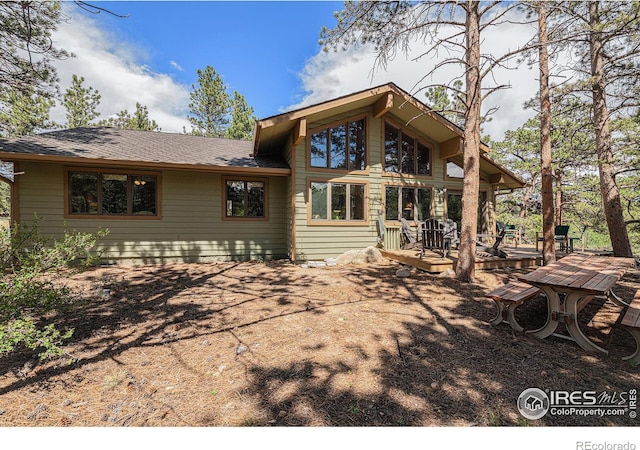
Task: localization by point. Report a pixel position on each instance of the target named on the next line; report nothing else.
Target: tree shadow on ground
(144, 303)
(438, 368)
(352, 346)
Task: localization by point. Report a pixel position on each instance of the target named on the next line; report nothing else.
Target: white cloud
(332, 74)
(111, 67)
(176, 66)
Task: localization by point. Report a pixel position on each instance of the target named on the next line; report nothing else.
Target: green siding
(190, 229)
(288, 152)
(319, 242)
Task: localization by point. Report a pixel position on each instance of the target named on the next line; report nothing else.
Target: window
(407, 202)
(454, 170)
(454, 209)
(404, 153)
(245, 199)
(112, 194)
(339, 147)
(337, 201)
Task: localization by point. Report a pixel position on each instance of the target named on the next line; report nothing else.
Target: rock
(403, 273)
(435, 386)
(315, 264)
(449, 273)
(367, 255)
(241, 348)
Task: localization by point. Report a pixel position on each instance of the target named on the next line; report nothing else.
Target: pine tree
(242, 119)
(24, 112)
(139, 121)
(449, 26)
(80, 103)
(26, 47)
(210, 104)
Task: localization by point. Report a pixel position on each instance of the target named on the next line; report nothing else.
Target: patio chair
(494, 250)
(511, 232)
(408, 236)
(433, 237)
(561, 235)
(449, 235)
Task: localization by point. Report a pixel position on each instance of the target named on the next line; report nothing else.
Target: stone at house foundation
(364, 256)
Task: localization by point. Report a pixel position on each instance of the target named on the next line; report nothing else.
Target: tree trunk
(559, 205)
(526, 200)
(465, 269)
(608, 187)
(548, 244)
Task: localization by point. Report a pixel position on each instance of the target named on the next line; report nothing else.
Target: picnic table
(570, 284)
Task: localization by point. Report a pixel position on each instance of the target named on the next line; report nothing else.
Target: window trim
(333, 124)
(393, 222)
(111, 171)
(338, 223)
(223, 206)
(417, 139)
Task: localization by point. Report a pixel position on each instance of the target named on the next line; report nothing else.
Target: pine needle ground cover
(274, 344)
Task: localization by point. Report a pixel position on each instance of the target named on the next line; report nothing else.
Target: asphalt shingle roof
(116, 144)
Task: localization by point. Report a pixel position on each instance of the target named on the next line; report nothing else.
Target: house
(309, 186)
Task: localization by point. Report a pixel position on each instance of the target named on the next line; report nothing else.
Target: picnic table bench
(569, 285)
(514, 294)
(508, 297)
(631, 320)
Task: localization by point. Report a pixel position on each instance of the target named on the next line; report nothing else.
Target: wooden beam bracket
(383, 105)
(300, 131)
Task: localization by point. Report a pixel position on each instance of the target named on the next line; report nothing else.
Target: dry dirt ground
(274, 344)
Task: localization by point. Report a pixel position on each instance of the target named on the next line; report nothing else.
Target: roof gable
(272, 132)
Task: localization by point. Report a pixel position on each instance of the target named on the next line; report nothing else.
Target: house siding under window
(190, 228)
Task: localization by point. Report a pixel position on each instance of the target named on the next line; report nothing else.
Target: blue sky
(259, 48)
(266, 50)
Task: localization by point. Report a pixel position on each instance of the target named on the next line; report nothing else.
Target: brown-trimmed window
(336, 201)
(404, 153)
(341, 146)
(410, 203)
(95, 193)
(245, 199)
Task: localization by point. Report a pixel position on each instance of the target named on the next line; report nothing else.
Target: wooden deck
(520, 257)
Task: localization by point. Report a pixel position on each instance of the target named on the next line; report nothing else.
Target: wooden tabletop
(592, 274)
